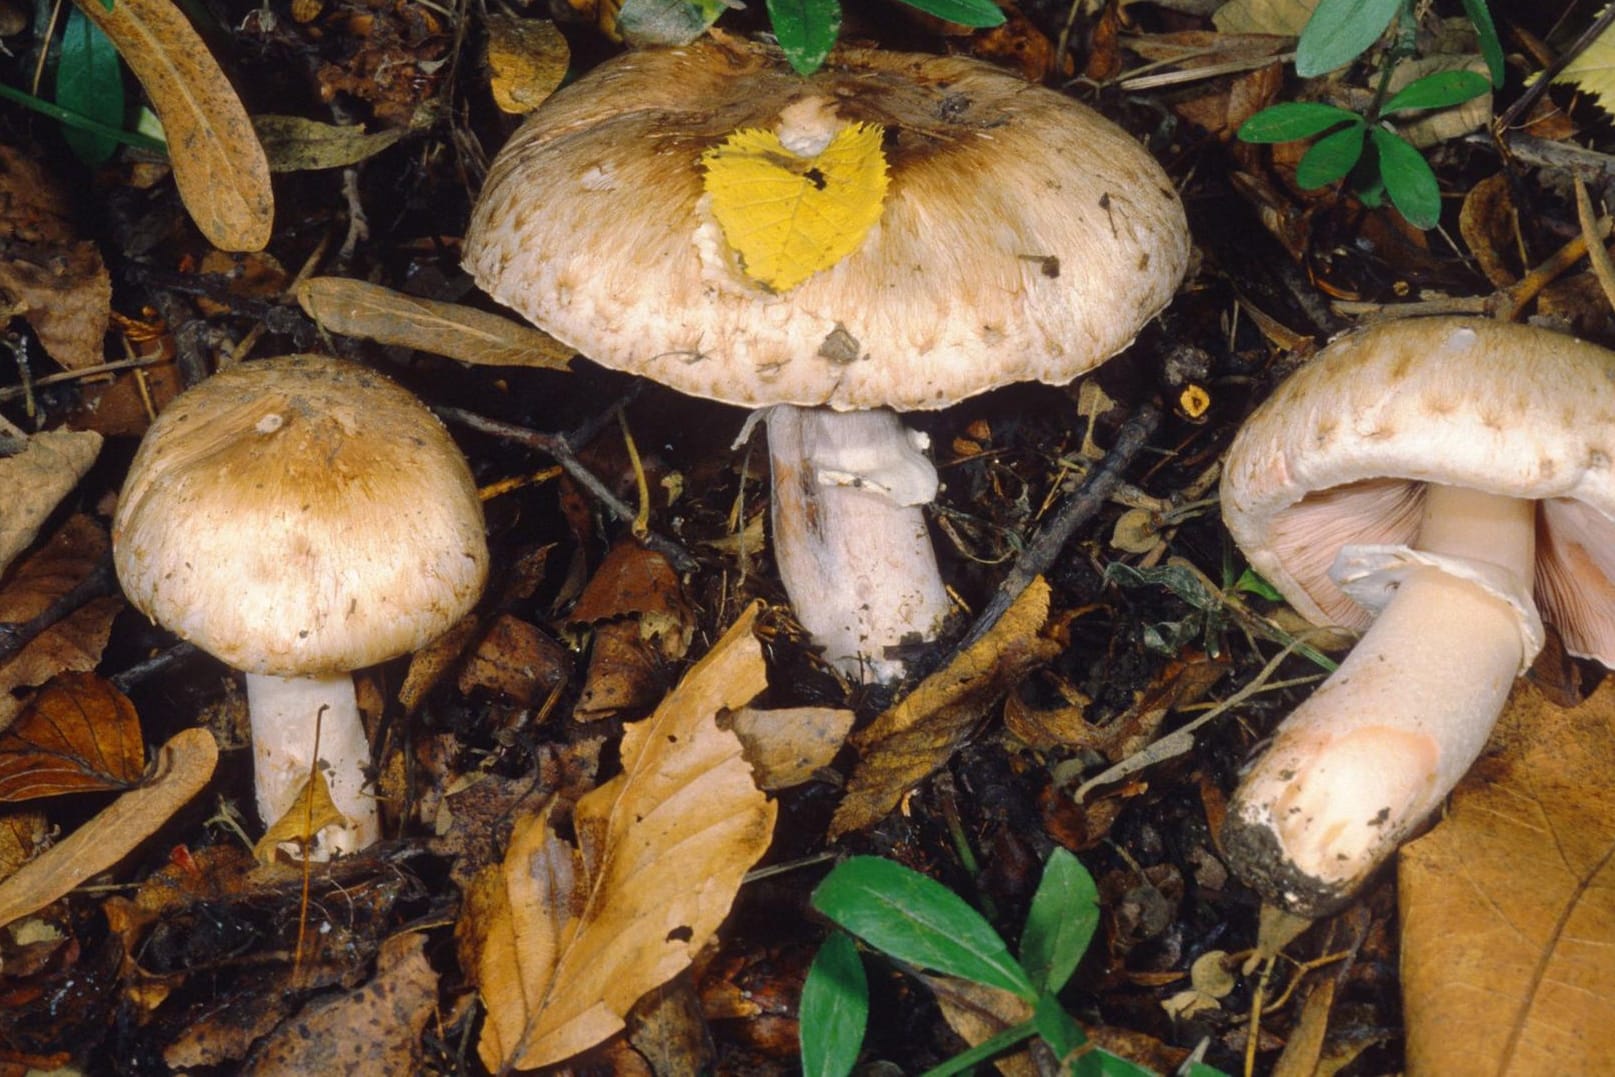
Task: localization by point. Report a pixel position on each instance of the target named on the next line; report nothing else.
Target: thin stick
(1096, 488)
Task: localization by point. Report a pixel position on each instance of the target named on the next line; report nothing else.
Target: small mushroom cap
(300, 516)
(1023, 236)
(1341, 452)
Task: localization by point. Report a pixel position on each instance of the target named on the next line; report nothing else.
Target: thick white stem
(1377, 748)
(850, 538)
(285, 711)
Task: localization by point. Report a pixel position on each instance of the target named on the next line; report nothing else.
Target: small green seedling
(919, 922)
(1379, 162)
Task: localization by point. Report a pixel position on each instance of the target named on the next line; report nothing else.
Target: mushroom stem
(285, 712)
(1378, 747)
(850, 539)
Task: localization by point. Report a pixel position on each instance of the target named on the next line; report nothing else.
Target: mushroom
(1445, 484)
(1022, 237)
(300, 518)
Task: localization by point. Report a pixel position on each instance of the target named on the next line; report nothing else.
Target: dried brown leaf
(625, 673)
(917, 735)
(78, 734)
(374, 1029)
(637, 582)
(296, 144)
(22, 834)
(182, 767)
(517, 660)
(786, 746)
(36, 479)
(978, 1012)
(357, 309)
(1508, 904)
(49, 275)
(219, 166)
(564, 939)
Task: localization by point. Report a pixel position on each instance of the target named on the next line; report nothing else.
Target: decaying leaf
(515, 659)
(374, 1029)
(36, 479)
(1285, 17)
(563, 939)
(354, 308)
(786, 746)
(182, 767)
(75, 642)
(296, 144)
(50, 276)
(527, 59)
(788, 216)
(78, 734)
(219, 166)
(915, 737)
(642, 623)
(978, 1012)
(1508, 905)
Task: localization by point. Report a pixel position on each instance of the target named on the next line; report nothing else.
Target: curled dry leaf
(357, 309)
(182, 767)
(1508, 906)
(36, 479)
(786, 746)
(563, 939)
(50, 276)
(79, 734)
(916, 736)
(219, 165)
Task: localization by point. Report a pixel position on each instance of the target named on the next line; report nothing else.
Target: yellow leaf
(563, 939)
(310, 813)
(1594, 69)
(789, 216)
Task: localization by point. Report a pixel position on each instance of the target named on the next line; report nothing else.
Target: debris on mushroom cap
(1023, 236)
(1340, 453)
(300, 516)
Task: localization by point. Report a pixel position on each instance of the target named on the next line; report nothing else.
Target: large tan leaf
(1508, 905)
(50, 464)
(219, 165)
(565, 939)
(917, 735)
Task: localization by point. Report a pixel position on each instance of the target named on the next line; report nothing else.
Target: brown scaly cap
(1024, 237)
(300, 516)
(1340, 454)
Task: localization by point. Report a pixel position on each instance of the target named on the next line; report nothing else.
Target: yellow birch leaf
(563, 939)
(310, 813)
(1594, 69)
(787, 216)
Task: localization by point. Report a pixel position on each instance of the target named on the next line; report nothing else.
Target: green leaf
(983, 1051)
(1330, 158)
(918, 920)
(1441, 90)
(1490, 47)
(806, 30)
(975, 13)
(89, 81)
(1181, 581)
(1339, 31)
(1061, 922)
(1408, 180)
(1291, 120)
(834, 1009)
(1064, 1037)
(1251, 582)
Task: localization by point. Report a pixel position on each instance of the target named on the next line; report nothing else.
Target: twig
(11, 392)
(1603, 269)
(1096, 488)
(559, 448)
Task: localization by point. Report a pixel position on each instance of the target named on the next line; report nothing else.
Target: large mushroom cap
(1023, 237)
(1342, 450)
(300, 516)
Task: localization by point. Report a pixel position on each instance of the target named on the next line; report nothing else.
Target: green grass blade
(1491, 49)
